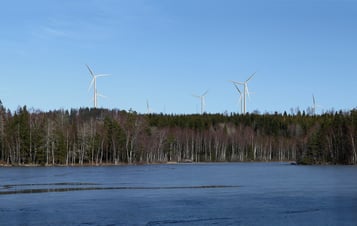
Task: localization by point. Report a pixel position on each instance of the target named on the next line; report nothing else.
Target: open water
(180, 194)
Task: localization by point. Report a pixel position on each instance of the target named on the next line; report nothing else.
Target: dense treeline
(100, 136)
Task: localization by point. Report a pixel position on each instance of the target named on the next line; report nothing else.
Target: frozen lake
(180, 194)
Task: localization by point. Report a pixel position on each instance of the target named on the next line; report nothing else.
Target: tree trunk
(354, 159)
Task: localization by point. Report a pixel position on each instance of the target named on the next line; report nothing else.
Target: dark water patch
(27, 210)
(10, 186)
(61, 175)
(68, 189)
(4, 210)
(88, 223)
(301, 211)
(188, 222)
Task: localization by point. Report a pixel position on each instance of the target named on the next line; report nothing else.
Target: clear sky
(164, 51)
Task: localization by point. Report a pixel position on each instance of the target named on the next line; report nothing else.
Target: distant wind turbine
(245, 92)
(203, 101)
(148, 107)
(94, 84)
(314, 105)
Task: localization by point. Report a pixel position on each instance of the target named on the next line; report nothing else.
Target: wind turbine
(148, 107)
(245, 92)
(240, 97)
(94, 84)
(314, 105)
(203, 101)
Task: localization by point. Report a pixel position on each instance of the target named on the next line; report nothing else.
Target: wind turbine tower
(314, 105)
(245, 92)
(203, 101)
(148, 107)
(94, 84)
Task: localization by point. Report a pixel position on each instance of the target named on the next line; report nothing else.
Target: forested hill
(100, 136)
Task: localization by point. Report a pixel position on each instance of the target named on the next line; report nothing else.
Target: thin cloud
(94, 30)
(56, 32)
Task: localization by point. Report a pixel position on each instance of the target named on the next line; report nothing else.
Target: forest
(90, 136)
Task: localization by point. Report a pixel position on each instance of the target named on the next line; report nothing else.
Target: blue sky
(164, 51)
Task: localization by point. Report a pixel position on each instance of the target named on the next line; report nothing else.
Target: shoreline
(4, 165)
(293, 163)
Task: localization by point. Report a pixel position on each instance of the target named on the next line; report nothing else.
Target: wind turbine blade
(205, 93)
(90, 70)
(239, 101)
(237, 88)
(101, 95)
(239, 83)
(248, 93)
(91, 84)
(196, 96)
(313, 99)
(250, 77)
(102, 75)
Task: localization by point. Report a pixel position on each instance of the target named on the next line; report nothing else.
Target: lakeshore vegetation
(100, 136)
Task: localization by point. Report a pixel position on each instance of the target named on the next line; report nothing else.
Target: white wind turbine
(148, 107)
(245, 92)
(314, 105)
(203, 101)
(94, 84)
